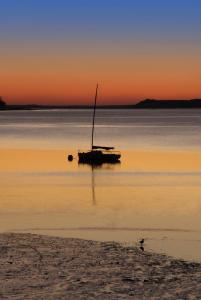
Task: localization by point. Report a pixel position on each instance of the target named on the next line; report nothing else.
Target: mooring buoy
(70, 157)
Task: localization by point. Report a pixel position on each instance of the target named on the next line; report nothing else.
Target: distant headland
(144, 104)
(167, 104)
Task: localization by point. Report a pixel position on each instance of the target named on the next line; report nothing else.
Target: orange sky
(55, 52)
(64, 75)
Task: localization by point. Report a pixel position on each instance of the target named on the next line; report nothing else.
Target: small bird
(141, 242)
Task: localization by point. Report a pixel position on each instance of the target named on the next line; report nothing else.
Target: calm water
(155, 193)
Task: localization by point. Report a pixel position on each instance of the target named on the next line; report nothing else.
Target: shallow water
(155, 193)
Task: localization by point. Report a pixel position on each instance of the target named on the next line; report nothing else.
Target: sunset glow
(55, 52)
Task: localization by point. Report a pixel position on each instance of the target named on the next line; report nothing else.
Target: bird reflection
(141, 242)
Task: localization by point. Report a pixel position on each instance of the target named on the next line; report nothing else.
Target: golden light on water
(150, 190)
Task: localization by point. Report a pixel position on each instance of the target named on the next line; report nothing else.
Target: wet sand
(42, 267)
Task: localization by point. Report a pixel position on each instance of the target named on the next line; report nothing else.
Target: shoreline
(43, 267)
(142, 104)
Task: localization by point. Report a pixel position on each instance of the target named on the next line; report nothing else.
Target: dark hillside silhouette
(2, 103)
(151, 103)
(144, 104)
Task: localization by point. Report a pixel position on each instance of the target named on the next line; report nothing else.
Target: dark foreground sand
(41, 267)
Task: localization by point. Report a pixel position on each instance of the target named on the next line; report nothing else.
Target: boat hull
(98, 157)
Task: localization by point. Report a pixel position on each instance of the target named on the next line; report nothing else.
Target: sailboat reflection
(93, 185)
(96, 167)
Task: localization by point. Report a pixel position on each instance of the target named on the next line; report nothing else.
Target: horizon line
(91, 105)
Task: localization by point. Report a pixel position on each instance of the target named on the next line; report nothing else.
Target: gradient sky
(54, 51)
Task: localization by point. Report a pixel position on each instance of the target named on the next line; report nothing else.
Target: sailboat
(98, 154)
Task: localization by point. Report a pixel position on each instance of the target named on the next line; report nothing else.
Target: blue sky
(100, 19)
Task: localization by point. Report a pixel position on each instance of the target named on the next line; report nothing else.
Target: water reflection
(98, 166)
(150, 195)
(93, 185)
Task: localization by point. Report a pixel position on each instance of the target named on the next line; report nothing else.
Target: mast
(94, 114)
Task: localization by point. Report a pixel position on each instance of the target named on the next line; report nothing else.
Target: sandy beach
(43, 267)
